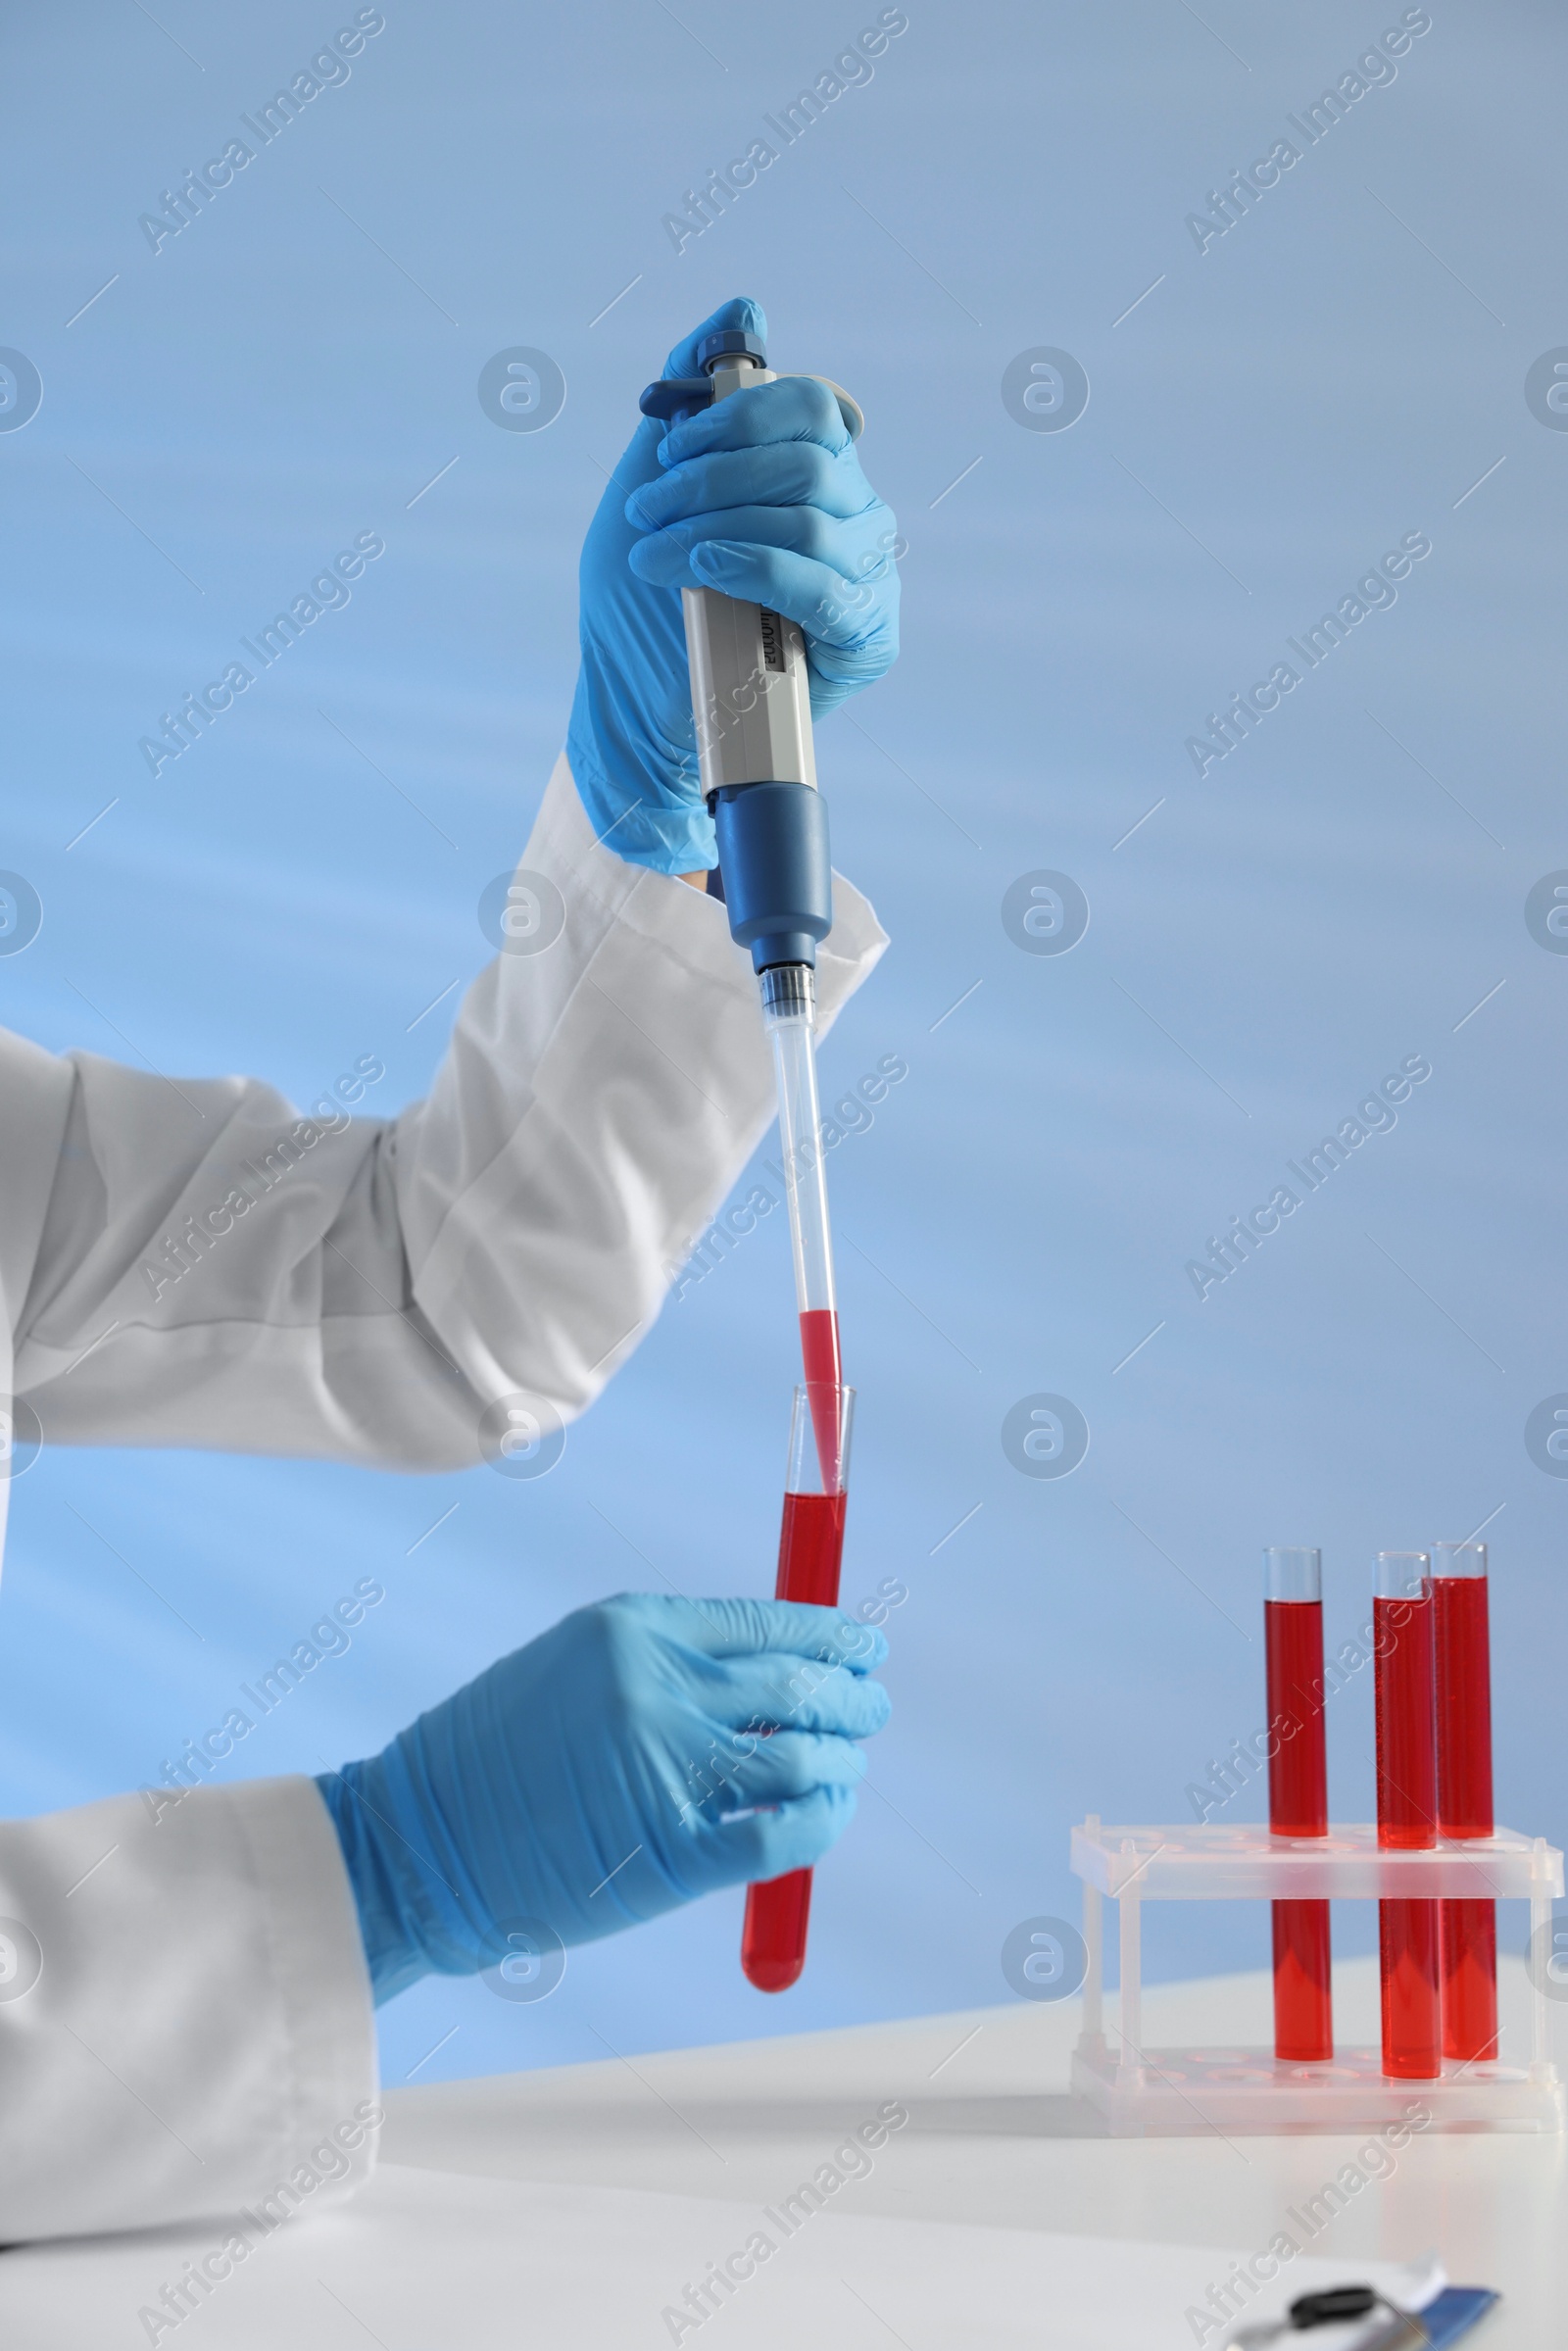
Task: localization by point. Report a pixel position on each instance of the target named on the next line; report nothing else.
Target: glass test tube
(1405, 1671)
(810, 1548)
(1297, 1795)
(1468, 1930)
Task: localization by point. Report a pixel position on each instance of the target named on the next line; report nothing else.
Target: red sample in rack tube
(1297, 1795)
(1404, 1676)
(809, 1554)
(1468, 1928)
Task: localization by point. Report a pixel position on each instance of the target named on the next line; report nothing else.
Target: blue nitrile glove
(585, 1783)
(763, 497)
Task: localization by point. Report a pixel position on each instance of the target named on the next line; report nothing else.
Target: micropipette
(1468, 1928)
(751, 701)
(752, 709)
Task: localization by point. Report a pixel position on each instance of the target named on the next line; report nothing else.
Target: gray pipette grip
(751, 696)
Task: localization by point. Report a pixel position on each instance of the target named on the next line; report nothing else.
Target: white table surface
(994, 2138)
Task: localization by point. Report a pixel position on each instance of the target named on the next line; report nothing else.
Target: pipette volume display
(1297, 1795)
(1468, 1928)
(1404, 1675)
(811, 1553)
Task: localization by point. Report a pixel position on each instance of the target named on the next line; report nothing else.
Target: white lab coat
(202, 2019)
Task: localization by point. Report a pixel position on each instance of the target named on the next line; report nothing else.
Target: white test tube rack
(1146, 2092)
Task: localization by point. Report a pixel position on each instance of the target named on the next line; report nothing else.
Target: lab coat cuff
(691, 928)
(193, 2036)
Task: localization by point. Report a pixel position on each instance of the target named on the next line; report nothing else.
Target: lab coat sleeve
(185, 2016)
(215, 1269)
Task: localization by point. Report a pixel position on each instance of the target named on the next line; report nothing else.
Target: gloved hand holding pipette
(762, 497)
(607, 1773)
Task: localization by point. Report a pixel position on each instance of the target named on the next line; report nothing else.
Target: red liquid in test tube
(1468, 1930)
(811, 1550)
(1297, 1795)
(1404, 1670)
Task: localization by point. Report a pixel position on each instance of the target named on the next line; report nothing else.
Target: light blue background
(1337, 370)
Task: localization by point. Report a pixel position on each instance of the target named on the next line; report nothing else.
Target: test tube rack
(1182, 2093)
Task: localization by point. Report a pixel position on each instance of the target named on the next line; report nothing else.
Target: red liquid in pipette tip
(1468, 1928)
(1408, 1814)
(777, 1912)
(824, 1377)
(1298, 1806)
